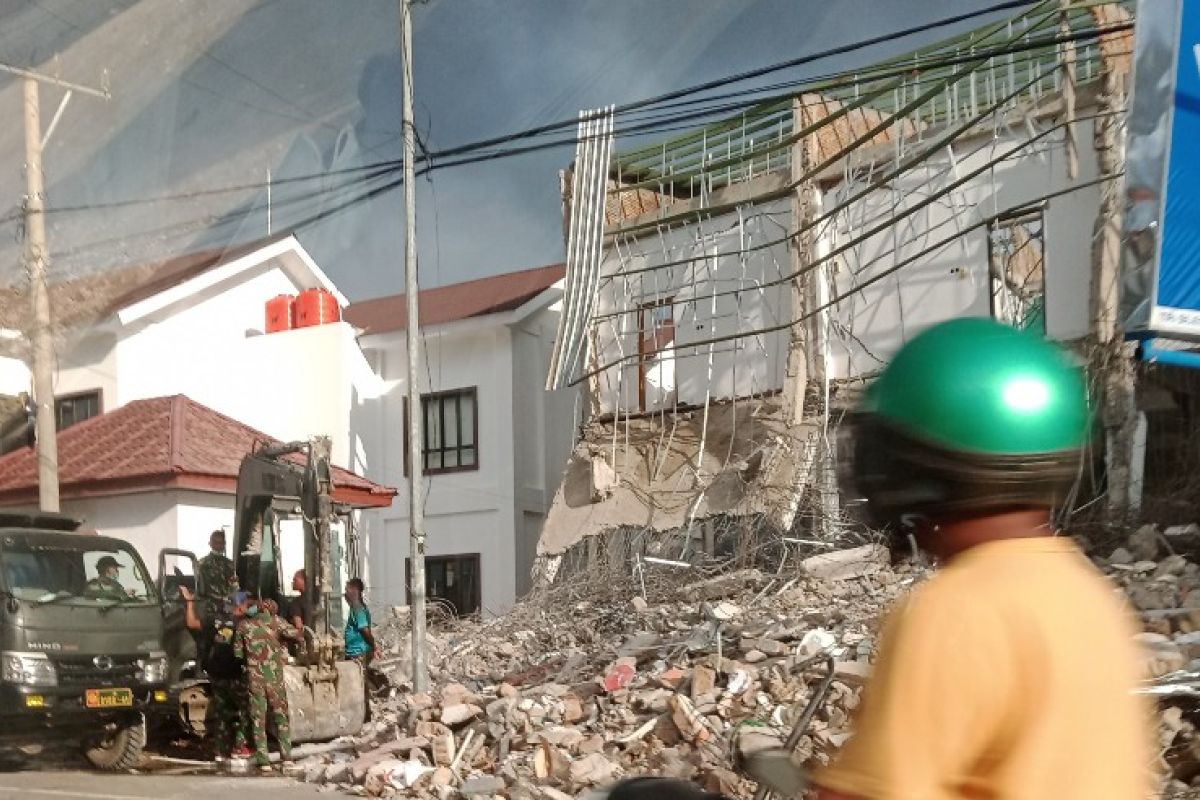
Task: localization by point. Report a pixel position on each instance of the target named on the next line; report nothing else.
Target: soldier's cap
(105, 562)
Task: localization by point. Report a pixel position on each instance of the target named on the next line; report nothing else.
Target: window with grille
(1017, 255)
(449, 431)
(454, 582)
(75, 408)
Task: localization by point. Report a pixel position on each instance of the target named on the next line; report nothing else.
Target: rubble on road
(591, 682)
(583, 685)
(1156, 573)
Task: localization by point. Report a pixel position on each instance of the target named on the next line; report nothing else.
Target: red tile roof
(160, 443)
(490, 295)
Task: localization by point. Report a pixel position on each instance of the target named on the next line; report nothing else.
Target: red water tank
(280, 310)
(316, 307)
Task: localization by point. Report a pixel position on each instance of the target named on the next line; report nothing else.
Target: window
(656, 353)
(452, 581)
(75, 408)
(450, 429)
(1016, 251)
(45, 569)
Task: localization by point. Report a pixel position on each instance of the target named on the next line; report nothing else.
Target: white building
(495, 440)
(194, 328)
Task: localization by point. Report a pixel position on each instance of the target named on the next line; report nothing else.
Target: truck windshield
(37, 569)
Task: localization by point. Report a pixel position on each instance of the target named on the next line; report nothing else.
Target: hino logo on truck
(103, 662)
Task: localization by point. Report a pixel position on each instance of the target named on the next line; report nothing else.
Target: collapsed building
(728, 292)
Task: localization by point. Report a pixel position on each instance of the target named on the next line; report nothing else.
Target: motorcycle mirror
(776, 770)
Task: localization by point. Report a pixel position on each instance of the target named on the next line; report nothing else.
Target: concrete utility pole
(1111, 357)
(416, 512)
(807, 341)
(37, 262)
(795, 380)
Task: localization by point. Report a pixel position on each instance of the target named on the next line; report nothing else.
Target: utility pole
(808, 341)
(1111, 357)
(37, 262)
(416, 511)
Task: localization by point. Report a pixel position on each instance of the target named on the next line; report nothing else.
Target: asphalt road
(94, 786)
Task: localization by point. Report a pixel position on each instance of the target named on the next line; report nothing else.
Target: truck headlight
(153, 668)
(27, 669)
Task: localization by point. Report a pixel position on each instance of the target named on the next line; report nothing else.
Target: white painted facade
(204, 338)
(151, 521)
(733, 281)
(524, 437)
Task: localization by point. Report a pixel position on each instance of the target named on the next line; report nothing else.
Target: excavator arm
(281, 480)
(325, 691)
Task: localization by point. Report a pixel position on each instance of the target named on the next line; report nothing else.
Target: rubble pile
(1158, 575)
(575, 689)
(676, 674)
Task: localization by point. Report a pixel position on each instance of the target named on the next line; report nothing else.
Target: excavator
(278, 483)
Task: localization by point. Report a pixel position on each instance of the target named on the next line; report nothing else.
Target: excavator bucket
(325, 702)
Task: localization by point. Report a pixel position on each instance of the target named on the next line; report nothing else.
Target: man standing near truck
(218, 580)
(217, 576)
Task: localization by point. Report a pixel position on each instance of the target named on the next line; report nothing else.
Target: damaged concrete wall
(739, 368)
(651, 474)
(953, 280)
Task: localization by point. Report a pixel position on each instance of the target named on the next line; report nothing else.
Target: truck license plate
(108, 698)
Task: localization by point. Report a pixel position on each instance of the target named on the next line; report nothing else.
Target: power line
(743, 76)
(666, 122)
(433, 159)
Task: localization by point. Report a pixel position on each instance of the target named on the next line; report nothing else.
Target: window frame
(648, 333)
(997, 280)
(477, 589)
(60, 399)
(473, 391)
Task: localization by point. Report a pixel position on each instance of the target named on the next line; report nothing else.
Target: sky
(212, 100)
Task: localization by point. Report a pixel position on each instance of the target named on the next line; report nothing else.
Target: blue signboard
(1161, 259)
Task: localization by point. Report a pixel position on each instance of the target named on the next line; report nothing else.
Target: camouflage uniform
(257, 644)
(230, 700)
(105, 589)
(217, 580)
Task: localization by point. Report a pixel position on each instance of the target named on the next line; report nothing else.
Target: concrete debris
(585, 685)
(575, 688)
(843, 565)
(1159, 574)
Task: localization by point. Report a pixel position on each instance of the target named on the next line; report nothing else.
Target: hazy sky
(213, 94)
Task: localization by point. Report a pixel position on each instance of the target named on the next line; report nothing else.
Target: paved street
(93, 786)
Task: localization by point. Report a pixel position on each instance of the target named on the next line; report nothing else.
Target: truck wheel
(119, 750)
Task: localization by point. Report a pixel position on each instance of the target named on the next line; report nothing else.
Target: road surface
(94, 786)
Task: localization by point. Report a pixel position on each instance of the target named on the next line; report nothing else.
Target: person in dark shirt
(299, 612)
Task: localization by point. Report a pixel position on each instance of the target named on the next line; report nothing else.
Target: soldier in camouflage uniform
(106, 585)
(227, 712)
(217, 576)
(217, 581)
(257, 644)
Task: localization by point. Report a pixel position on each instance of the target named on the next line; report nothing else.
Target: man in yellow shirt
(1008, 674)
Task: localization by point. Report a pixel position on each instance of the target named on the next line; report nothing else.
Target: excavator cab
(285, 520)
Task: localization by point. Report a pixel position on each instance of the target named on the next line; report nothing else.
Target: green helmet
(969, 416)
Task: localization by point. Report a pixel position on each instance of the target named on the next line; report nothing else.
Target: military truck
(81, 653)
